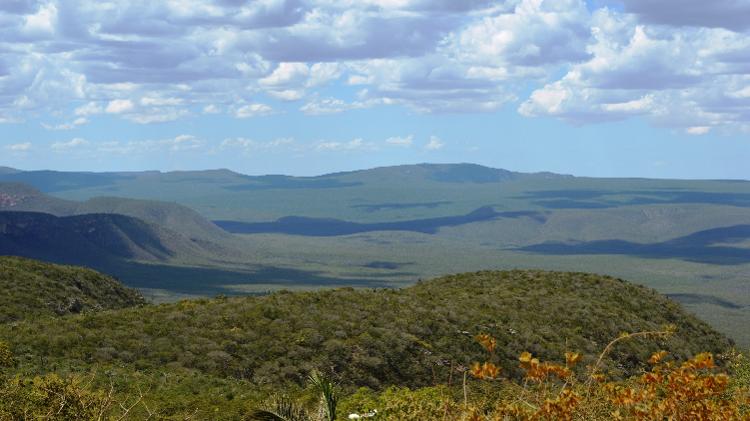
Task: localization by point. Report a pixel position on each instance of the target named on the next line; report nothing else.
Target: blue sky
(600, 88)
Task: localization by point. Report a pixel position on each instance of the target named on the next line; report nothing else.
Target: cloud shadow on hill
(213, 281)
(709, 246)
(329, 227)
(601, 199)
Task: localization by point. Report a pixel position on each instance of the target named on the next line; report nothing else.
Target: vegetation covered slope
(81, 239)
(31, 289)
(178, 218)
(372, 337)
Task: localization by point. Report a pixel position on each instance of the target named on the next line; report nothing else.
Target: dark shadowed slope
(82, 239)
(601, 199)
(711, 246)
(178, 218)
(30, 289)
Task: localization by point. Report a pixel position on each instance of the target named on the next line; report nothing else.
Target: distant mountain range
(57, 181)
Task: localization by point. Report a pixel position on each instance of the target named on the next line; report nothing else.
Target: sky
(620, 88)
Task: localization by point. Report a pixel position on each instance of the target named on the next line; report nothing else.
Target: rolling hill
(23, 197)
(373, 338)
(135, 251)
(30, 289)
(82, 239)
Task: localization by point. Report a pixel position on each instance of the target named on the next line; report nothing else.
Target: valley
(227, 233)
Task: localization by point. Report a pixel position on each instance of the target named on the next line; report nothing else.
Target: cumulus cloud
(178, 144)
(66, 126)
(434, 144)
(119, 106)
(182, 143)
(333, 106)
(253, 110)
(352, 145)
(697, 130)
(71, 144)
(249, 145)
(400, 141)
(536, 33)
(678, 63)
(211, 109)
(88, 109)
(687, 78)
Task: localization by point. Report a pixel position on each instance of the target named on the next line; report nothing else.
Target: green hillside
(31, 289)
(218, 358)
(372, 337)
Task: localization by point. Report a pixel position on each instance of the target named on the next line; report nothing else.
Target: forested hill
(31, 289)
(375, 337)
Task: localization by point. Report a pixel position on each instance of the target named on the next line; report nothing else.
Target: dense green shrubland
(220, 358)
(31, 289)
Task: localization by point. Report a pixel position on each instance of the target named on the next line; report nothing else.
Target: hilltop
(377, 337)
(225, 355)
(31, 289)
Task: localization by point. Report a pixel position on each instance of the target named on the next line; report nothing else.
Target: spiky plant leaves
(327, 391)
(282, 408)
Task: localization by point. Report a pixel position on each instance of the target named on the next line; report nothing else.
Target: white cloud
(182, 143)
(634, 106)
(253, 110)
(66, 126)
(71, 144)
(400, 141)
(698, 130)
(287, 94)
(678, 63)
(352, 145)
(119, 106)
(159, 101)
(683, 78)
(88, 109)
(250, 145)
(42, 22)
(19, 147)
(434, 144)
(535, 34)
(335, 105)
(157, 115)
(285, 74)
